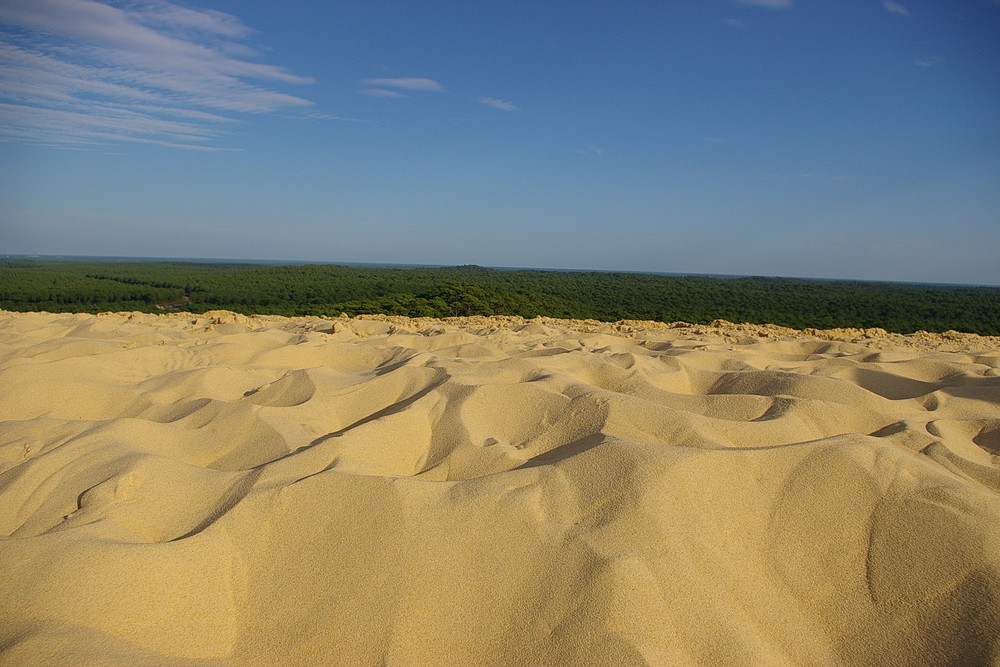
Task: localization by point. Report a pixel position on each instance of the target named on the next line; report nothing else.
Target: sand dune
(231, 490)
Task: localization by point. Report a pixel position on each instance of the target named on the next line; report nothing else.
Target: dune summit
(227, 490)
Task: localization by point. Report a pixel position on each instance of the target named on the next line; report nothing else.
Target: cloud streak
(929, 61)
(83, 72)
(382, 92)
(393, 88)
(503, 105)
(769, 4)
(417, 84)
(895, 8)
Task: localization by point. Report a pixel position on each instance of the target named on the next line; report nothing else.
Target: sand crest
(228, 490)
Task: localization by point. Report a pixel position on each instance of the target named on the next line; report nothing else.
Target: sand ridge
(240, 490)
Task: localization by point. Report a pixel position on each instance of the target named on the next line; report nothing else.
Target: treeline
(85, 286)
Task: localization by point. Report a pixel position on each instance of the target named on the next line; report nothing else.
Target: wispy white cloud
(381, 92)
(317, 115)
(929, 61)
(770, 4)
(895, 8)
(503, 105)
(78, 72)
(417, 84)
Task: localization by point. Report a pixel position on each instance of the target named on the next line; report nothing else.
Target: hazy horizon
(847, 141)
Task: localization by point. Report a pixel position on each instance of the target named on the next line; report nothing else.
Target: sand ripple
(222, 489)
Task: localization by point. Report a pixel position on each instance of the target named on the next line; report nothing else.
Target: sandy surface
(219, 489)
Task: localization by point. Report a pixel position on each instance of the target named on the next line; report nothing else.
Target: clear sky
(815, 138)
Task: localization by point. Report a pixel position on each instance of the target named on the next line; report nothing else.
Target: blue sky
(848, 139)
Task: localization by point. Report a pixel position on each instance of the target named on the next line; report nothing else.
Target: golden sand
(227, 490)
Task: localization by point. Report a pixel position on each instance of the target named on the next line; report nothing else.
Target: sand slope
(218, 489)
